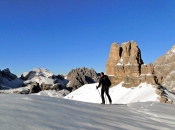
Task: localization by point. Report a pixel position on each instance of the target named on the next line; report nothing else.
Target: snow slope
(6, 84)
(29, 112)
(120, 95)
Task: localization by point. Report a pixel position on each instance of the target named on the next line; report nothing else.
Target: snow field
(31, 112)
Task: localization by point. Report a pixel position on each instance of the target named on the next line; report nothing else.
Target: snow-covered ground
(53, 93)
(31, 112)
(120, 95)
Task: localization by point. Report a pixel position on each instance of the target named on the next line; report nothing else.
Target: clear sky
(60, 35)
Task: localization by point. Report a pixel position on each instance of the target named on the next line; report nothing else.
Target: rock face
(80, 76)
(114, 56)
(36, 87)
(125, 64)
(7, 74)
(164, 68)
(9, 80)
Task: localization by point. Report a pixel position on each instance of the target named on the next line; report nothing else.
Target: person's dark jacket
(102, 82)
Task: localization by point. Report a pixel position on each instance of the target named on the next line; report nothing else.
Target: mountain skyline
(62, 35)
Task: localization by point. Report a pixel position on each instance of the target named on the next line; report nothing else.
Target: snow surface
(23, 90)
(29, 112)
(120, 95)
(128, 64)
(149, 74)
(25, 74)
(53, 93)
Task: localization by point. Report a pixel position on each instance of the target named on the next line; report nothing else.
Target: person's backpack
(107, 81)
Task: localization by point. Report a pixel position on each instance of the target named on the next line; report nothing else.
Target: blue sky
(64, 34)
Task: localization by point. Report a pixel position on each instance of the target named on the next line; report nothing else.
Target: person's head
(101, 74)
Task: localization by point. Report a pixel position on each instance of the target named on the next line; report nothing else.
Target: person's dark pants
(106, 90)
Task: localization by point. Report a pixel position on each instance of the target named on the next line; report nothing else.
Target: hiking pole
(98, 91)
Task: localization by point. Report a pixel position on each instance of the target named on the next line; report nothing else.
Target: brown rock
(150, 68)
(150, 79)
(143, 78)
(126, 64)
(135, 54)
(132, 70)
(159, 92)
(126, 47)
(147, 69)
(159, 79)
(163, 99)
(114, 56)
(114, 80)
(131, 82)
(119, 72)
(144, 69)
(164, 69)
(80, 76)
(157, 86)
(169, 102)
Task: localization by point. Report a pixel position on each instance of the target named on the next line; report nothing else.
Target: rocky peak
(80, 76)
(126, 47)
(7, 74)
(9, 80)
(126, 64)
(164, 68)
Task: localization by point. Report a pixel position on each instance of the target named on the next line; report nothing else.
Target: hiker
(105, 82)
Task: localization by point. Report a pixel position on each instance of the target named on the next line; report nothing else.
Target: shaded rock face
(80, 76)
(36, 87)
(56, 86)
(125, 64)
(9, 80)
(164, 68)
(7, 74)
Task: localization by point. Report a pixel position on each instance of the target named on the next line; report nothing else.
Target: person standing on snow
(106, 83)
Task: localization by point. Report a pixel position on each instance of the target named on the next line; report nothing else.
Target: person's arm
(99, 84)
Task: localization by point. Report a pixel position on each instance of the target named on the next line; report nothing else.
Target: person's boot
(102, 103)
(110, 103)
